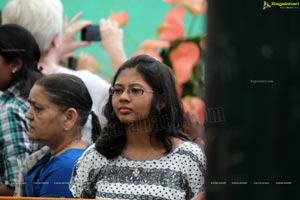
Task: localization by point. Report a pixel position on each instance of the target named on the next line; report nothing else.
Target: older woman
(59, 107)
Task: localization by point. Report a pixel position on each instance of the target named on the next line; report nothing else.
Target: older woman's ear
(70, 119)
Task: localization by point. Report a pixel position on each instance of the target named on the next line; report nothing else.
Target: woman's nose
(28, 114)
(125, 95)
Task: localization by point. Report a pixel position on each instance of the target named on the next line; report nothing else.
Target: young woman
(59, 107)
(142, 153)
(19, 56)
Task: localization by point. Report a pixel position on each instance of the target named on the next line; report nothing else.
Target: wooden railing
(39, 198)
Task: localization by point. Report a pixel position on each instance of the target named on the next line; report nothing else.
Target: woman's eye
(118, 91)
(37, 109)
(136, 90)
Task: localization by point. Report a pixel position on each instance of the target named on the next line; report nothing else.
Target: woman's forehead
(130, 75)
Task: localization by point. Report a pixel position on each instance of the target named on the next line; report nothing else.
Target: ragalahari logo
(266, 5)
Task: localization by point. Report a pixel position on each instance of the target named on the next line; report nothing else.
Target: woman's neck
(138, 141)
(74, 143)
(139, 147)
(138, 134)
(49, 64)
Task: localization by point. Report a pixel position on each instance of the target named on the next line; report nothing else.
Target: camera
(72, 63)
(91, 33)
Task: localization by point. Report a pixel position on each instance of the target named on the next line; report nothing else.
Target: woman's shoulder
(11, 99)
(17, 104)
(91, 150)
(190, 153)
(92, 156)
(12, 106)
(185, 145)
(190, 149)
(71, 154)
(67, 159)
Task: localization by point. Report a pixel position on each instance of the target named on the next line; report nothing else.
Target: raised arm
(112, 42)
(71, 28)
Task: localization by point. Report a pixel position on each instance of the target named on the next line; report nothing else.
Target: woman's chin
(134, 122)
(125, 119)
(31, 136)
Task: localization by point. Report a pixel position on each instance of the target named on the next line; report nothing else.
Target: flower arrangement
(182, 53)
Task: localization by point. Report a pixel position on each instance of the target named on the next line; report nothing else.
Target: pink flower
(172, 27)
(120, 17)
(154, 44)
(196, 105)
(183, 58)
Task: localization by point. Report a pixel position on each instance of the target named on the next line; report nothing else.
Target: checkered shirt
(15, 145)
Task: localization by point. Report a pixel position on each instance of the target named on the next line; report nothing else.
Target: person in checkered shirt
(19, 55)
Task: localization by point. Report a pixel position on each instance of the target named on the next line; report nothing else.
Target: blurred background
(144, 17)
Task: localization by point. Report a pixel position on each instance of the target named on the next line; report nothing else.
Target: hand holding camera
(91, 33)
(70, 30)
(108, 32)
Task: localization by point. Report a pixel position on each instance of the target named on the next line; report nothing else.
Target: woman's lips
(125, 110)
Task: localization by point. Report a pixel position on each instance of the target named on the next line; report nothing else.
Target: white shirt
(176, 176)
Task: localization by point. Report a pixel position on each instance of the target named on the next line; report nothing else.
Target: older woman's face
(6, 75)
(132, 96)
(46, 120)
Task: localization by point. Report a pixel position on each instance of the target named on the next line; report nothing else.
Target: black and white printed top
(178, 175)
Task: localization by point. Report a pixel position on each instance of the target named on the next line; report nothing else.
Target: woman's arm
(112, 42)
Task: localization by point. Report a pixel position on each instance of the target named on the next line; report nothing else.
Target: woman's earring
(14, 70)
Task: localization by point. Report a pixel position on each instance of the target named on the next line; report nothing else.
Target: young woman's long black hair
(166, 121)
